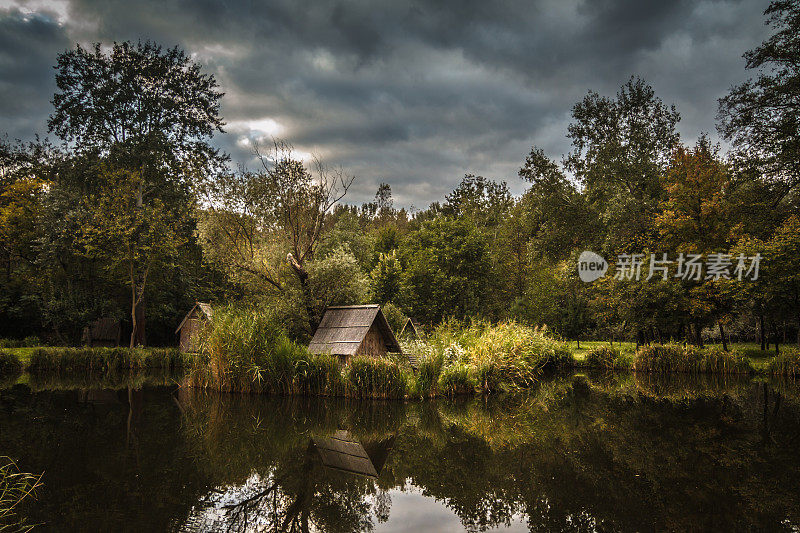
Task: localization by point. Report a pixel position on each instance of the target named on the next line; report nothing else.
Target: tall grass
(786, 364)
(607, 358)
(688, 359)
(375, 377)
(15, 487)
(10, 364)
(102, 360)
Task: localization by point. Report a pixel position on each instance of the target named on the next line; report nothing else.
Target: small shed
(411, 330)
(342, 451)
(191, 324)
(351, 330)
(103, 332)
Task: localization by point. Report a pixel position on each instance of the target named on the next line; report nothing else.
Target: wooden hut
(342, 451)
(191, 324)
(351, 330)
(103, 332)
(411, 330)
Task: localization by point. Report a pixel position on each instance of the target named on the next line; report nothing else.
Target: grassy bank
(247, 351)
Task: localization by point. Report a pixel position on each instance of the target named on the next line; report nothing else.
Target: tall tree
(145, 112)
(761, 117)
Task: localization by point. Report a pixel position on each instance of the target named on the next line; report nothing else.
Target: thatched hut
(342, 451)
(351, 330)
(191, 324)
(411, 330)
(103, 332)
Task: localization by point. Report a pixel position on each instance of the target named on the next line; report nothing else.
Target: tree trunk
(138, 337)
(722, 335)
(775, 338)
(699, 332)
(579, 342)
(764, 345)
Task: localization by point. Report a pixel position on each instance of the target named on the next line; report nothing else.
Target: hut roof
(204, 308)
(343, 328)
(342, 451)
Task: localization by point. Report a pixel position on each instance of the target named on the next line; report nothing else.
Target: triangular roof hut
(410, 329)
(102, 332)
(351, 330)
(191, 324)
(342, 451)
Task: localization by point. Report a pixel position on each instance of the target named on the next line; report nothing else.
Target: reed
(688, 359)
(375, 377)
(15, 488)
(102, 360)
(606, 358)
(786, 364)
(458, 379)
(10, 364)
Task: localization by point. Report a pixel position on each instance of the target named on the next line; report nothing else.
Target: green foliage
(458, 378)
(787, 363)
(606, 358)
(677, 358)
(102, 360)
(386, 277)
(428, 373)
(375, 377)
(394, 316)
(319, 375)
(10, 364)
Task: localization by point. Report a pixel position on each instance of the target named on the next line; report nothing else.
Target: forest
(129, 211)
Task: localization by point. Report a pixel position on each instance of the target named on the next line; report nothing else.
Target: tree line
(132, 213)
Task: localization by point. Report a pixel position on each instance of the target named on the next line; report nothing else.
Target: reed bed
(374, 377)
(607, 358)
(102, 360)
(10, 365)
(785, 364)
(688, 359)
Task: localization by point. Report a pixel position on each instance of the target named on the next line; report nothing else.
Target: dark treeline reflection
(580, 453)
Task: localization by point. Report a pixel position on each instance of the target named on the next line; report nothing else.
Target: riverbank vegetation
(15, 488)
(282, 237)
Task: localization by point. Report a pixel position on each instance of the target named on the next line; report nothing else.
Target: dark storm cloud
(28, 47)
(412, 93)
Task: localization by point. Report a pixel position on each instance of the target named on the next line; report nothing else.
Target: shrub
(10, 364)
(375, 377)
(785, 364)
(457, 379)
(715, 360)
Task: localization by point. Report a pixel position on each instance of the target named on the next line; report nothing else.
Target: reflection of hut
(190, 327)
(342, 451)
(103, 332)
(346, 331)
(411, 330)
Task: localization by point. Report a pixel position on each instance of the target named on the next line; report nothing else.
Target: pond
(578, 453)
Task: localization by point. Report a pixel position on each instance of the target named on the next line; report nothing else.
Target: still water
(579, 453)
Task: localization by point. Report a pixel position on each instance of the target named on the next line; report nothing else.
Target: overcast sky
(415, 94)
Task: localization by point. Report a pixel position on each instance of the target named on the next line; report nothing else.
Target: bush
(457, 379)
(375, 377)
(27, 342)
(10, 364)
(785, 364)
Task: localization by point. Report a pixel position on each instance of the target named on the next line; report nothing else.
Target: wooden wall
(373, 344)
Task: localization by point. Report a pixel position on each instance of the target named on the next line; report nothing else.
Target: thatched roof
(343, 328)
(342, 451)
(204, 308)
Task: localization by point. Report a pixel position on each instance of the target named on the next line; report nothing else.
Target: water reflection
(580, 453)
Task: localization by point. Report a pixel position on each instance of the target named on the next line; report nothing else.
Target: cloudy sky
(412, 93)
